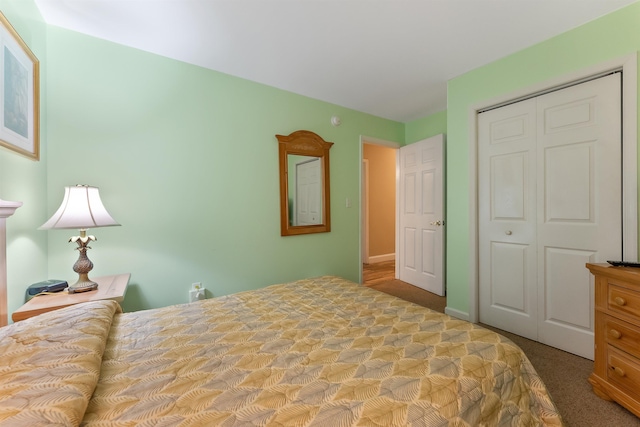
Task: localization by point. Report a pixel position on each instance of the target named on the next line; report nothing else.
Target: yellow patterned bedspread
(316, 352)
(50, 364)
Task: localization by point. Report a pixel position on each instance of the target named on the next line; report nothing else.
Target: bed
(314, 352)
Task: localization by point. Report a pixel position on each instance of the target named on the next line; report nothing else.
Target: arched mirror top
(304, 183)
(305, 143)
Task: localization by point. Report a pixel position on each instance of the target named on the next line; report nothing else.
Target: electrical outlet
(196, 295)
(197, 292)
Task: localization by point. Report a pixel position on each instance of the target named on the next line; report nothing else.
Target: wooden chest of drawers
(616, 371)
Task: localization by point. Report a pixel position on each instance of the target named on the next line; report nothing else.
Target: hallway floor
(380, 272)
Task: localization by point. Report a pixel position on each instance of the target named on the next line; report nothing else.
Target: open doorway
(379, 200)
(380, 261)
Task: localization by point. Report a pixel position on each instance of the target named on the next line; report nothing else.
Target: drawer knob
(618, 371)
(615, 333)
(619, 301)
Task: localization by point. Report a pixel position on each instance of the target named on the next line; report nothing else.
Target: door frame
(629, 66)
(364, 211)
(386, 143)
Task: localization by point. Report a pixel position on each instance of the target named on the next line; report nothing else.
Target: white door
(507, 218)
(421, 215)
(550, 201)
(579, 205)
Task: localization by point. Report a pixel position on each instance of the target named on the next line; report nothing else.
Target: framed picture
(19, 94)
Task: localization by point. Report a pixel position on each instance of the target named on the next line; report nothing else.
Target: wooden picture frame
(19, 94)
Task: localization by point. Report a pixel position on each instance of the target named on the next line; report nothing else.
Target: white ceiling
(389, 58)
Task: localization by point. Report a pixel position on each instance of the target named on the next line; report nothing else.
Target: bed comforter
(315, 352)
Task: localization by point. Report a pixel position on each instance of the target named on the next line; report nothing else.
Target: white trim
(630, 156)
(628, 65)
(377, 141)
(7, 209)
(397, 275)
(548, 90)
(374, 141)
(456, 313)
(381, 258)
(365, 211)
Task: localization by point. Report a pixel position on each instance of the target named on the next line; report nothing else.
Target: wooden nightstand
(109, 287)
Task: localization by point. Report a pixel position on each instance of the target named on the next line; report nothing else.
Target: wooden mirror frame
(303, 143)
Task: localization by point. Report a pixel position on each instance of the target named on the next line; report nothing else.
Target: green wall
(609, 37)
(22, 179)
(187, 161)
(429, 126)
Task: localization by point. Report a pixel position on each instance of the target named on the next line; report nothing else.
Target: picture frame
(19, 94)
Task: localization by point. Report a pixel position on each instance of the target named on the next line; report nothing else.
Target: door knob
(437, 223)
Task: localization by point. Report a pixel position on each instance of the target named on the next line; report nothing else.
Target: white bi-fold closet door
(550, 201)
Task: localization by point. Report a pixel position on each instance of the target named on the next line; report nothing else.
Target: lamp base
(83, 265)
(82, 287)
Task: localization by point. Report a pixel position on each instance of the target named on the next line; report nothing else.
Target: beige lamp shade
(81, 208)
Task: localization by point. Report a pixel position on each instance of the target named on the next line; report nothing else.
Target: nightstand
(109, 287)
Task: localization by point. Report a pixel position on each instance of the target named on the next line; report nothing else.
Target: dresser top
(624, 273)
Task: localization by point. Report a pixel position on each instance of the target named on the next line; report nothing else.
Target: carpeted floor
(564, 374)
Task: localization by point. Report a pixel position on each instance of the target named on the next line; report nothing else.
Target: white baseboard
(381, 258)
(456, 313)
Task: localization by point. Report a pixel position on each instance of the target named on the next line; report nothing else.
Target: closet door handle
(508, 232)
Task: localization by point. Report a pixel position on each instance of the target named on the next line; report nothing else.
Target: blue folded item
(51, 285)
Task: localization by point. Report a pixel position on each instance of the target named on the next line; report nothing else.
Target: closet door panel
(579, 205)
(569, 178)
(506, 194)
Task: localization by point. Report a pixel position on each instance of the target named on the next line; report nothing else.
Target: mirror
(304, 183)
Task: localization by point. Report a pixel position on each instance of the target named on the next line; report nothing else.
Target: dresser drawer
(622, 335)
(623, 300)
(623, 370)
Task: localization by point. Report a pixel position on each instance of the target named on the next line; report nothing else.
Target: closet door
(507, 215)
(550, 201)
(579, 205)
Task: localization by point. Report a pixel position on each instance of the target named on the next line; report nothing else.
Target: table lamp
(81, 208)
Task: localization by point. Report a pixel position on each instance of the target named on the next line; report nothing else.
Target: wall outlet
(197, 292)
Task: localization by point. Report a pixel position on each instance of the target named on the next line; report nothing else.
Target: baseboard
(456, 313)
(381, 258)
